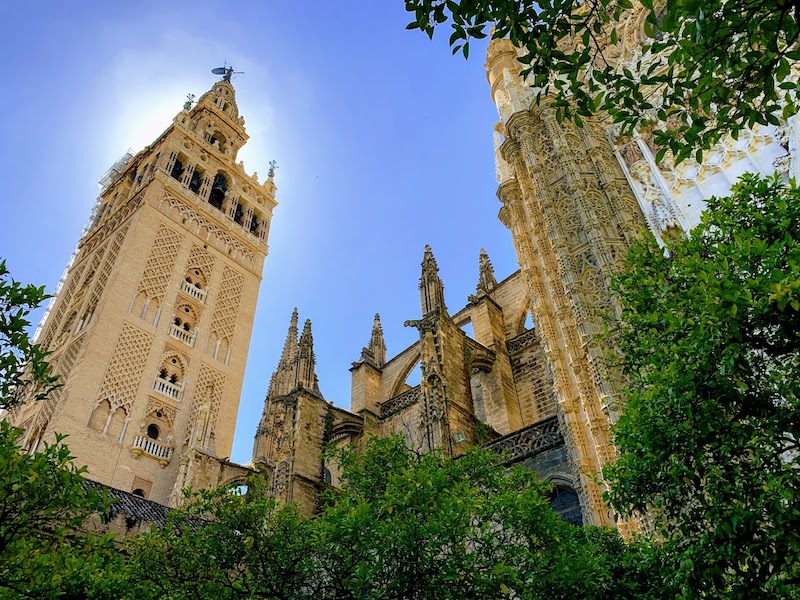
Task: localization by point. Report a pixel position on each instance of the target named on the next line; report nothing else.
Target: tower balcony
(187, 337)
(144, 445)
(172, 390)
(195, 292)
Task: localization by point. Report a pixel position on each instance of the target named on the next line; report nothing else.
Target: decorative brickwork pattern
(208, 231)
(102, 277)
(199, 258)
(53, 402)
(125, 371)
(160, 263)
(227, 310)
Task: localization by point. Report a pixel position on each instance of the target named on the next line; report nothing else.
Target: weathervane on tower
(226, 72)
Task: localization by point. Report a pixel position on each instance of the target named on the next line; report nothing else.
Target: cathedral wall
(533, 386)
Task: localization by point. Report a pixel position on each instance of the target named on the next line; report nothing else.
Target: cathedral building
(151, 324)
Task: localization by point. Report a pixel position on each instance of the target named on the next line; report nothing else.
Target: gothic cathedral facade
(150, 327)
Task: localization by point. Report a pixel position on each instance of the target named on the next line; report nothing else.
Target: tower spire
(290, 345)
(306, 361)
(283, 379)
(376, 344)
(431, 289)
(486, 279)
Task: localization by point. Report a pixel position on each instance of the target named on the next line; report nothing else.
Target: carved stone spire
(306, 361)
(486, 279)
(283, 380)
(376, 344)
(431, 289)
(290, 345)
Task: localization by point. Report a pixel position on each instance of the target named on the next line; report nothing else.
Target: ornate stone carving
(399, 403)
(532, 440)
(521, 342)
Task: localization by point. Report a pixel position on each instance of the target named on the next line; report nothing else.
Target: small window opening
(173, 378)
(162, 374)
(138, 492)
(159, 414)
(218, 190)
(152, 431)
(177, 170)
(254, 225)
(178, 322)
(174, 361)
(238, 216)
(196, 181)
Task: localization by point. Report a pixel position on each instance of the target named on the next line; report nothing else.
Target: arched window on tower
(217, 140)
(218, 190)
(196, 180)
(255, 223)
(184, 324)
(238, 214)
(116, 425)
(194, 284)
(169, 380)
(178, 169)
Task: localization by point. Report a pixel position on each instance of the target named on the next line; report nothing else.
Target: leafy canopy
(44, 504)
(709, 438)
(706, 67)
(402, 526)
(22, 363)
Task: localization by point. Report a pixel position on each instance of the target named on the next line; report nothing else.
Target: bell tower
(150, 327)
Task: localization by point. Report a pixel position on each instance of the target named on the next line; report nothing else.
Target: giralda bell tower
(151, 324)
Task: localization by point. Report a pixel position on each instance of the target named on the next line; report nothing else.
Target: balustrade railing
(187, 337)
(193, 291)
(145, 445)
(173, 390)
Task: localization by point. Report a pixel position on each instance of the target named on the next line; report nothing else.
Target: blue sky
(383, 141)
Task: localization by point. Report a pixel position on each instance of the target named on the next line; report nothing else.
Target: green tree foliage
(43, 502)
(223, 544)
(43, 508)
(22, 363)
(708, 67)
(401, 526)
(709, 439)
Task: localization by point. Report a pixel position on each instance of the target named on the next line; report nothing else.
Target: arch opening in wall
(218, 140)
(172, 369)
(565, 501)
(195, 277)
(196, 180)
(186, 317)
(238, 214)
(139, 492)
(116, 425)
(255, 223)
(218, 190)
(100, 415)
(414, 375)
(179, 168)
